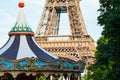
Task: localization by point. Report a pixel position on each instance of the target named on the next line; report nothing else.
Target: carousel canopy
(21, 42)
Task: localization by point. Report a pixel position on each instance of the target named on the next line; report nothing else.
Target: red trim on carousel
(21, 33)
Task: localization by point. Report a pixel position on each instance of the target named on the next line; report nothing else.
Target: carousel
(21, 58)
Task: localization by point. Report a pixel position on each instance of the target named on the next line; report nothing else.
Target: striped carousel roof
(21, 42)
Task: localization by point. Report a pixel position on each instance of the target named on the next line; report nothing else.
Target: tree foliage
(107, 56)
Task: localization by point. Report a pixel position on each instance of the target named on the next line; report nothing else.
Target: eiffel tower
(78, 45)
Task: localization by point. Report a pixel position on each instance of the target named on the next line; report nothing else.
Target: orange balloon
(21, 4)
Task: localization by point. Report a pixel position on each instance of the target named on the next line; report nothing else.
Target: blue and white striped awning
(22, 46)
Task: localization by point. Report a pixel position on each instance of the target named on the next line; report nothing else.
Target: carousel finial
(21, 4)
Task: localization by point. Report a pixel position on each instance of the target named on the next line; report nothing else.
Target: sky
(33, 10)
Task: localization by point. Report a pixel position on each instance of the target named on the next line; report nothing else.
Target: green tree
(107, 56)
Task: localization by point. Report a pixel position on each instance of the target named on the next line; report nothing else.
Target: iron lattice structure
(78, 45)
